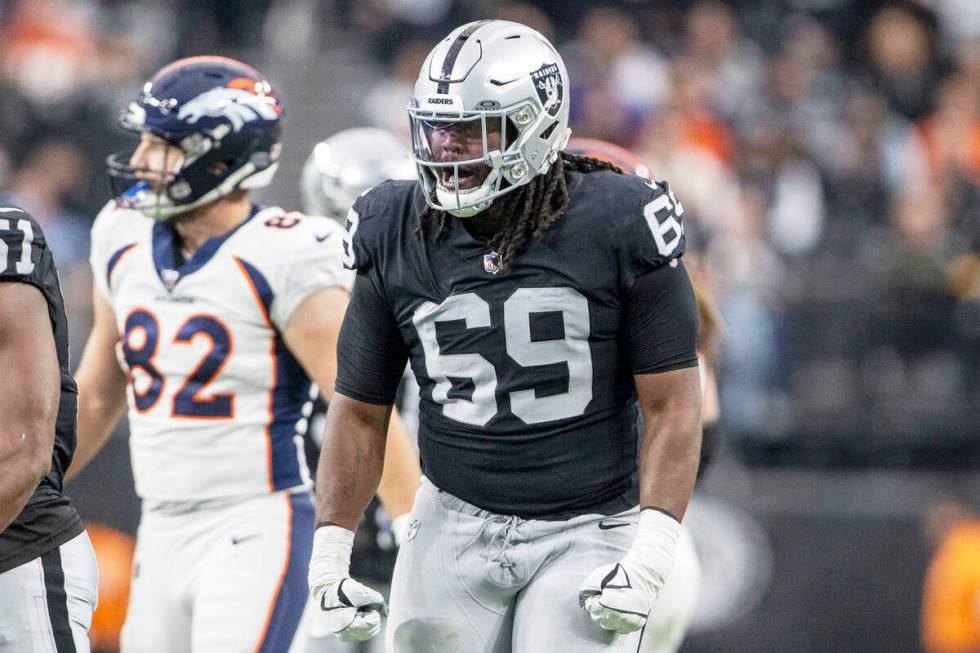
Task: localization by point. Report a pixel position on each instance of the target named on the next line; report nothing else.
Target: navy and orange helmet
(225, 118)
(610, 153)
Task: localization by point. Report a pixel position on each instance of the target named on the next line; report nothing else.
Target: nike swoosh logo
(606, 525)
(235, 541)
(322, 238)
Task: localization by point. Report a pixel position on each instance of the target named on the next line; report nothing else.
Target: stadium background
(828, 156)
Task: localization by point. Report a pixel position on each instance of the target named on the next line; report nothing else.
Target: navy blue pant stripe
(291, 599)
(57, 600)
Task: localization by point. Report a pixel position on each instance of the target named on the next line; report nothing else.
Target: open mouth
(468, 177)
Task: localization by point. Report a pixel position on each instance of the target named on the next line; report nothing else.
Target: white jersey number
(572, 349)
(661, 215)
(24, 265)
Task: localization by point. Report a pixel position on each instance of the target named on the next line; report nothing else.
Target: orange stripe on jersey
(282, 574)
(255, 291)
(275, 369)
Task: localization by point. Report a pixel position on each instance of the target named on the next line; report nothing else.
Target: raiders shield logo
(551, 90)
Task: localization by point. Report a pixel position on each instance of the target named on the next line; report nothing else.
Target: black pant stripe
(57, 599)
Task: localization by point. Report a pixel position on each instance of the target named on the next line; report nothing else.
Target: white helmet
(496, 72)
(348, 163)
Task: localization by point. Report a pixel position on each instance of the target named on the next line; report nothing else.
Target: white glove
(350, 610)
(399, 527)
(619, 596)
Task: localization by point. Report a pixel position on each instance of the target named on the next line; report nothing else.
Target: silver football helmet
(499, 82)
(348, 163)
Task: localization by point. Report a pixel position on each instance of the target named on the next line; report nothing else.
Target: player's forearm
(101, 387)
(25, 457)
(351, 460)
(401, 475)
(669, 461)
(96, 419)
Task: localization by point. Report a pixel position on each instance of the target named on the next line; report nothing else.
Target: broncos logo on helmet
(236, 105)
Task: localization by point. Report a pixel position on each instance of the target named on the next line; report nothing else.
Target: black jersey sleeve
(371, 353)
(362, 238)
(661, 321)
(23, 252)
(652, 232)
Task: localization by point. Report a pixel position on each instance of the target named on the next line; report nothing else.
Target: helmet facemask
(522, 152)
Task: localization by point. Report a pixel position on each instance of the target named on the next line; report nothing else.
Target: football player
(673, 611)
(541, 302)
(48, 572)
(348, 163)
(222, 313)
(338, 170)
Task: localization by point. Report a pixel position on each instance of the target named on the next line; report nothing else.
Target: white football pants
(228, 578)
(46, 604)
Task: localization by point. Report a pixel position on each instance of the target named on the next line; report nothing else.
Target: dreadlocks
(530, 210)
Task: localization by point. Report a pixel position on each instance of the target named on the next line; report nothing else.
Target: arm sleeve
(315, 263)
(371, 353)
(24, 254)
(653, 231)
(661, 321)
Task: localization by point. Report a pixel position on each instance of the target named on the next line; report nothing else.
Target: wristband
(330, 559)
(653, 547)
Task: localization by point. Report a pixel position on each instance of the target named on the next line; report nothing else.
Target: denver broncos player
(221, 312)
(540, 301)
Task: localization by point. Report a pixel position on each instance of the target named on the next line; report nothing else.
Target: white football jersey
(218, 406)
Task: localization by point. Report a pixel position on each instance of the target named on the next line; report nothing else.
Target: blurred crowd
(827, 153)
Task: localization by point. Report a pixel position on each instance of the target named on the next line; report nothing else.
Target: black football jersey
(48, 520)
(527, 396)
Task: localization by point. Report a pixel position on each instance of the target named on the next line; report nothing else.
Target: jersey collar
(168, 259)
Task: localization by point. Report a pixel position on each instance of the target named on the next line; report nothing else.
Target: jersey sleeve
(652, 231)
(362, 240)
(661, 321)
(371, 353)
(114, 233)
(312, 261)
(24, 254)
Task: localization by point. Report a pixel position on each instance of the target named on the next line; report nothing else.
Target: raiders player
(674, 609)
(540, 301)
(48, 574)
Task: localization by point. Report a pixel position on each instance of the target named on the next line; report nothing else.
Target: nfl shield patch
(491, 262)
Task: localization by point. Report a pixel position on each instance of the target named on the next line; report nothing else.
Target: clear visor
(463, 157)
(443, 140)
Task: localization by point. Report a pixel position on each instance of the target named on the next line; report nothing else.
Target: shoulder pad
(650, 232)
(365, 233)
